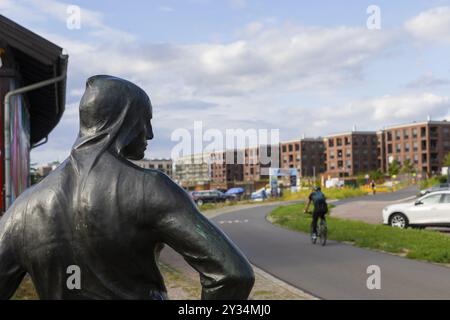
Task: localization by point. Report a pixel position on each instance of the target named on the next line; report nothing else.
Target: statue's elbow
(242, 278)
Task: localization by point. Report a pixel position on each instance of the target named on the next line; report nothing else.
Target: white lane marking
(233, 221)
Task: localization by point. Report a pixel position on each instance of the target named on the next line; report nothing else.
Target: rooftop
(349, 133)
(36, 60)
(411, 124)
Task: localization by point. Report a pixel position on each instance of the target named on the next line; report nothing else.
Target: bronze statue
(108, 217)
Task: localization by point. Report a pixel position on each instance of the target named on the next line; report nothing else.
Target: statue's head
(118, 113)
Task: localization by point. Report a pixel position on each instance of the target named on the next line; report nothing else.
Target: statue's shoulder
(160, 189)
(53, 187)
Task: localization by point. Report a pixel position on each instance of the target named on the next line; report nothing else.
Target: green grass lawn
(332, 193)
(415, 244)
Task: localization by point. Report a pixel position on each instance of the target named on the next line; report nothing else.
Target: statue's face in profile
(135, 150)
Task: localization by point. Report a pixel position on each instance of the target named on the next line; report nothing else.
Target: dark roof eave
(42, 131)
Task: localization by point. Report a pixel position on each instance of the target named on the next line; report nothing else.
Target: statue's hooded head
(115, 115)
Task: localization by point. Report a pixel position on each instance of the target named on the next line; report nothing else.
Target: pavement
(369, 208)
(183, 281)
(338, 270)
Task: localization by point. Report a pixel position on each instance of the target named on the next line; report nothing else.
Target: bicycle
(322, 232)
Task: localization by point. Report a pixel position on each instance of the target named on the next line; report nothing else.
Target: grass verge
(332, 193)
(424, 245)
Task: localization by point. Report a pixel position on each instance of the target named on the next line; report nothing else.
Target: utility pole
(314, 175)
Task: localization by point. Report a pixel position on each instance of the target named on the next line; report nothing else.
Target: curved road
(336, 271)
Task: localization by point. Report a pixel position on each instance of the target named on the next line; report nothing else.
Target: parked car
(261, 194)
(436, 187)
(211, 196)
(238, 192)
(431, 210)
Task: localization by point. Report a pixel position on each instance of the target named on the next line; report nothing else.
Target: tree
(361, 180)
(376, 175)
(34, 175)
(408, 167)
(447, 160)
(394, 168)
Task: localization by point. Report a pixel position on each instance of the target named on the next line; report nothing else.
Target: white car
(431, 210)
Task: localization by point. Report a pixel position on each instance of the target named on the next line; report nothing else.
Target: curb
(284, 285)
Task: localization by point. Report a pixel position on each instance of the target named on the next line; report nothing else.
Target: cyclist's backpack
(320, 203)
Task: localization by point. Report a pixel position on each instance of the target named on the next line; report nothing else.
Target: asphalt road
(392, 196)
(336, 271)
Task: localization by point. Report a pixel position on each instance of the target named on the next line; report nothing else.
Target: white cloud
(235, 84)
(41, 10)
(431, 26)
(166, 9)
(428, 80)
(374, 113)
(403, 107)
(238, 4)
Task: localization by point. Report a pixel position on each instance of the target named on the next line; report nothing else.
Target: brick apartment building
(351, 153)
(164, 165)
(256, 164)
(193, 171)
(307, 155)
(381, 151)
(226, 169)
(425, 144)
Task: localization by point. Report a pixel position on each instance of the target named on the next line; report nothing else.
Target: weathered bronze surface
(102, 214)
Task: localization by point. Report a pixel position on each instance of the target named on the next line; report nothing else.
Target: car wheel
(199, 202)
(398, 220)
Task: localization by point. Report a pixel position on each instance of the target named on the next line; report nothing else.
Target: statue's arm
(11, 273)
(224, 272)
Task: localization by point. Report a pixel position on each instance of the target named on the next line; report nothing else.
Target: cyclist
(320, 208)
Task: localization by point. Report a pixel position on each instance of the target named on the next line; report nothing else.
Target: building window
(423, 132)
(389, 136)
(406, 133)
(364, 141)
(407, 146)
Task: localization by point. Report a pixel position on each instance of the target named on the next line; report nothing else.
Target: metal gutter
(7, 129)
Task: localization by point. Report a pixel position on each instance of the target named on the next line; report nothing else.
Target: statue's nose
(149, 133)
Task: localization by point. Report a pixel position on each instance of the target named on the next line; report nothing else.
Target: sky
(304, 67)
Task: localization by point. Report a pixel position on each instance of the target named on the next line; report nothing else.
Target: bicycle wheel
(313, 239)
(311, 236)
(323, 232)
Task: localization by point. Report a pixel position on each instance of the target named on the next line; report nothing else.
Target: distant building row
(342, 155)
